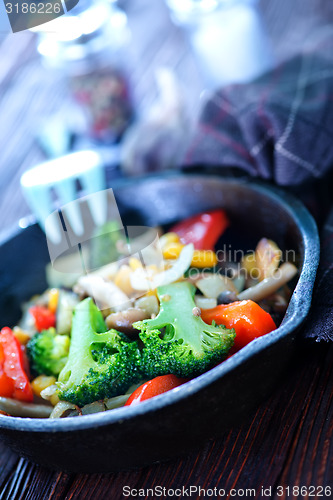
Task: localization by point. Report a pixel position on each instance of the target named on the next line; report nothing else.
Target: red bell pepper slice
(44, 318)
(154, 387)
(6, 383)
(247, 318)
(14, 381)
(202, 230)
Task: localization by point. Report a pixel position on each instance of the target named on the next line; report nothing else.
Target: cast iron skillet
(183, 419)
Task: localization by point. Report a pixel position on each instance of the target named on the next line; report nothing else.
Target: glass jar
(88, 45)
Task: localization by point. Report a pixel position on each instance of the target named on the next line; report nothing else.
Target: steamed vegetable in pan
(132, 330)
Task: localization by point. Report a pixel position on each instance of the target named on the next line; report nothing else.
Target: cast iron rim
(297, 311)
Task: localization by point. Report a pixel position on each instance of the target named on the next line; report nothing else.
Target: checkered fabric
(278, 128)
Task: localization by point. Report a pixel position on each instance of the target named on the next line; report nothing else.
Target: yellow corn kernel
(134, 263)
(249, 263)
(172, 250)
(168, 238)
(42, 382)
(22, 336)
(204, 258)
(122, 279)
(54, 399)
(53, 299)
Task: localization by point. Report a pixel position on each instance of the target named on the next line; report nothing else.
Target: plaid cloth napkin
(280, 128)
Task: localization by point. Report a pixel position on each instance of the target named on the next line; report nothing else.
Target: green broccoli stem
(87, 328)
(101, 364)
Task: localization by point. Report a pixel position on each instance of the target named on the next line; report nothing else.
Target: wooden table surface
(287, 442)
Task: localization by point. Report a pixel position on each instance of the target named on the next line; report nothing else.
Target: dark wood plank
(257, 454)
(8, 462)
(274, 446)
(313, 441)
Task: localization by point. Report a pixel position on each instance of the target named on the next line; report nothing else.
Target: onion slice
(140, 279)
(214, 284)
(105, 293)
(61, 408)
(204, 302)
(116, 402)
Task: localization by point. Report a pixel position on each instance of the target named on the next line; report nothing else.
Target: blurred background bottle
(228, 38)
(89, 46)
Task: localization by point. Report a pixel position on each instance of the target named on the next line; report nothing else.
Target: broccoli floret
(48, 352)
(101, 364)
(177, 341)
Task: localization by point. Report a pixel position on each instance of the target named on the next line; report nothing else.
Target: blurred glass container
(228, 38)
(88, 45)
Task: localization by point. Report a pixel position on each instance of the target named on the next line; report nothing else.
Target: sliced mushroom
(270, 285)
(227, 297)
(123, 320)
(95, 407)
(267, 258)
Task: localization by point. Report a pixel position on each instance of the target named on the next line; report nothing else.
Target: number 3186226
(304, 491)
(33, 8)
